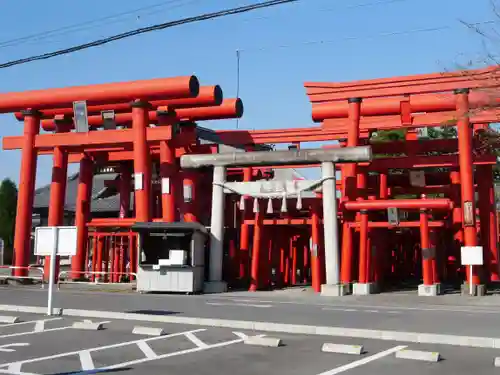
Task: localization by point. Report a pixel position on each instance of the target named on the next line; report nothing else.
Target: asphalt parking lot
(50, 345)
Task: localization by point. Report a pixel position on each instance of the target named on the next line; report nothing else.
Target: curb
(271, 342)
(88, 326)
(418, 355)
(413, 337)
(9, 319)
(148, 331)
(342, 349)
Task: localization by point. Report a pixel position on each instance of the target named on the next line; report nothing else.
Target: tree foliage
(8, 206)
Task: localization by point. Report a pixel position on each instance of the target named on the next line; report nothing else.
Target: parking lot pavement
(54, 347)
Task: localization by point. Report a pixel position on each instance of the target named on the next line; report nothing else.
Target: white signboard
(45, 241)
(472, 255)
(53, 241)
(422, 133)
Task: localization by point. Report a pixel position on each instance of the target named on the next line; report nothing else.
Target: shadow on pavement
(96, 371)
(153, 312)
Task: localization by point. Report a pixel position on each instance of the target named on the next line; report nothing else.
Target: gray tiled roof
(106, 199)
(42, 195)
(111, 200)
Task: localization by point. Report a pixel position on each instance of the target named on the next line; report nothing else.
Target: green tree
(389, 135)
(442, 132)
(8, 206)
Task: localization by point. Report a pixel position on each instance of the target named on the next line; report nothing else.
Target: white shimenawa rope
(274, 190)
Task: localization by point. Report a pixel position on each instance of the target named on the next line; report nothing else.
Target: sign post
(2, 251)
(471, 256)
(53, 242)
(52, 270)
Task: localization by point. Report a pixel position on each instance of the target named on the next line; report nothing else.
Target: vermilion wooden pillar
(315, 247)
(167, 173)
(83, 203)
(466, 173)
(25, 195)
(125, 190)
(256, 250)
(57, 197)
(487, 210)
(427, 270)
(364, 252)
(142, 162)
(245, 231)
(349, 184)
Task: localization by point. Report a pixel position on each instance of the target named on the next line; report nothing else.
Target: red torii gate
(402, 102)
(177, 99)
(408, 102)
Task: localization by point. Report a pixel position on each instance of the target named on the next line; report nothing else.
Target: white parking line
(360, 310)
(87, 364)
(34, 332)
(86, 360)
(146, 349)
(121, 344)
(363, 361)
(237, 304)
(250, 300)
(28, 322)
(174, 354)
(195, 340)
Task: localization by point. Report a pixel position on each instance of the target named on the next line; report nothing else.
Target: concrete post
(331, 231)
(215, 284)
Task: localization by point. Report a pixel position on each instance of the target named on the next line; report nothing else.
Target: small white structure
(171, 257)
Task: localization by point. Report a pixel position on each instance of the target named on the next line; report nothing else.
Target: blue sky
(351, 40)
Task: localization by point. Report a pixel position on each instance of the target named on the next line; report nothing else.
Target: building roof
(100, 202)
(106, 199)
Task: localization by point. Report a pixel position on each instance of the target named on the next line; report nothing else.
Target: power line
(85, 25)
(142, 30)
(348, 7)
(147, 10)
(349, 38)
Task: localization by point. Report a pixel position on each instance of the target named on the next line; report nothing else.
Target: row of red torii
(173, 101)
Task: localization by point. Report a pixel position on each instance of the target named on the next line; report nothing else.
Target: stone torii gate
(326, 157)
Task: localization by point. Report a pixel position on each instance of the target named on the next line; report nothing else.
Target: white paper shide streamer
(269, 206)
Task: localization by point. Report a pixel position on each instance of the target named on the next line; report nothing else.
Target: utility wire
(348, 7)
(142, 30)
(349, 38)
(65, 30)
(140, 12)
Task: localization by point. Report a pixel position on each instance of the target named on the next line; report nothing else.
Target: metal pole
(52, 270)
(471, 283)
(217, 225)
(330, 224)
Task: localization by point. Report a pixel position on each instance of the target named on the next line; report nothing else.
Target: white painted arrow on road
(7, 348)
